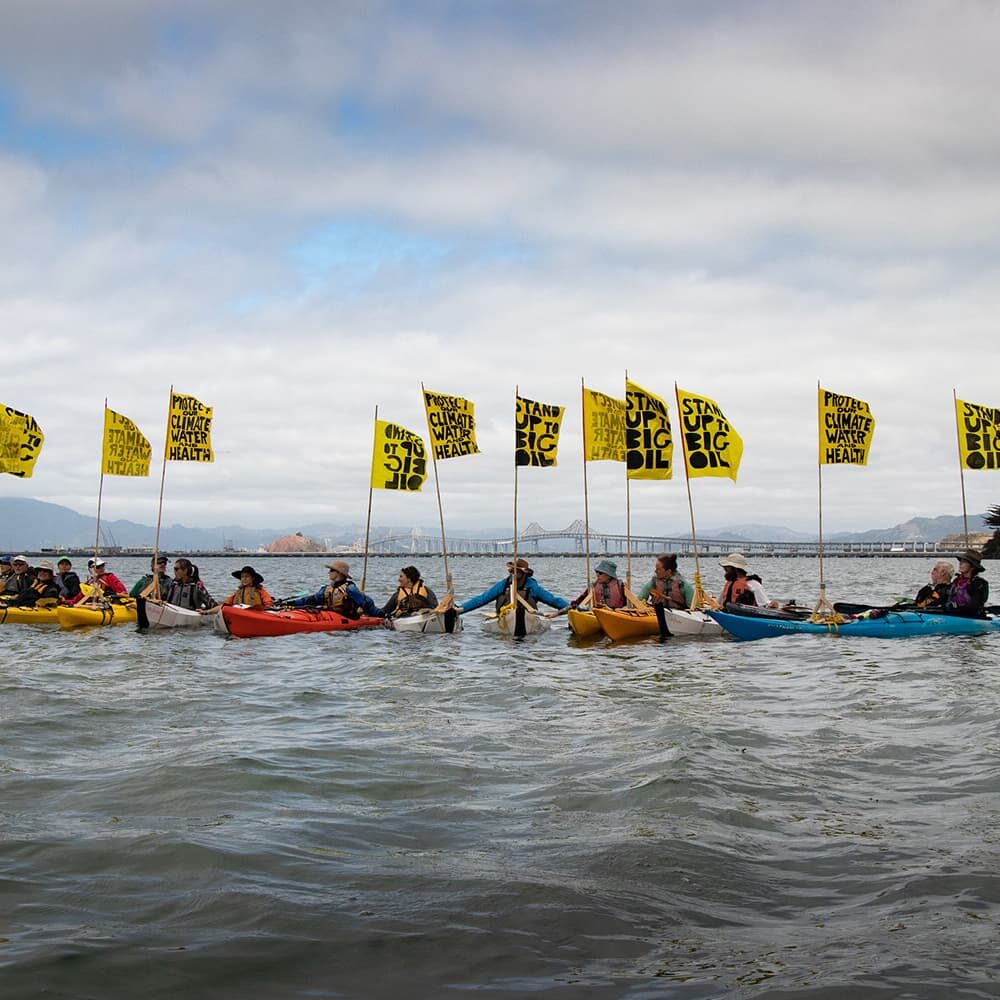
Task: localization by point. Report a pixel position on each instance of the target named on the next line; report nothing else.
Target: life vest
(504, 599)
(610, 594)
(737, 592)
(18, 583)
(937, 597)
(185, 595)
(45, 593)
(672, 591)
(409, 601)
(249, 596)
(336, 598)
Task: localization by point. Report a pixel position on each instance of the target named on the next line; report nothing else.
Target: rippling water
(378, 814)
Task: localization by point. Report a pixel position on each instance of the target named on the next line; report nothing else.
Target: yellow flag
(452, 425)
(846, 428)
(978, 435)
(20, 442)
(603, 427)
(536, 432)
(711, 445)
(189, 430)
(649, 443)
(126, 451)
(399, 461)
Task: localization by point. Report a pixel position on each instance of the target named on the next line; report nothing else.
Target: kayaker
(5, 570)
(186, 589)
(249, 593)
(609, 591)
(103, 579)
(528, 588)
(969, 590)
(739, 587)
(19, 579)
(412, 595)
(158, 566)
(935, 593)
(43, 589)
(68, 581)
(340, 594)
(667, 586)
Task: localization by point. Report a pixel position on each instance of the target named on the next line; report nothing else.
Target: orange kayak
(248, 623)
(627, 623)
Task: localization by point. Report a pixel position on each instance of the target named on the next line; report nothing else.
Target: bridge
(537, 540)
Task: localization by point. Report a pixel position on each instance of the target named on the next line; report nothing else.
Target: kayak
(250, 623)
(686, 622)
(517, 622)
(583, 623)
(893, 625)
(435, 622)
(627, 623)
(159, 614)
(29, 616)
(102, 613)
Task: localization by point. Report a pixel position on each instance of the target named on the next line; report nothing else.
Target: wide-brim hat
(735, 559)
(973, 558)
(46, 565)
(340, 566)
(257, 578)
(520, 564)
(607, 567)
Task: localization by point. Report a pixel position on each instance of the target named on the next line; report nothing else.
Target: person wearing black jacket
(42, 589)
(969, 590)
(935, 593)
(68, 582)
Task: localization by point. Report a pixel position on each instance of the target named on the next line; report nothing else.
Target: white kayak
(507, 622)
(435, 622)
(159, 614)
(690, 623)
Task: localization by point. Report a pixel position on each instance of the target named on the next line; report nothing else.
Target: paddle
(846, 608)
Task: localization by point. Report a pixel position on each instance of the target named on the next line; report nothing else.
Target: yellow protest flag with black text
(711, 445)
(399, 460)
(451, 422)
(846, 429)
(603, 427)
(978, 435)
(536, 432)
(649, 442)
(126, 451)
(189, 430)
(21, 441)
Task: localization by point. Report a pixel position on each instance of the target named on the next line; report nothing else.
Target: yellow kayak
(627, 623)
(29, 616)
(583, 623)
(103, 613)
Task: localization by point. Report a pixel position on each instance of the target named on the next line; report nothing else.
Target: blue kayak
(893, 625)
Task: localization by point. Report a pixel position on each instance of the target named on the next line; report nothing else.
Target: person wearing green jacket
(667, 586)
(157, 565)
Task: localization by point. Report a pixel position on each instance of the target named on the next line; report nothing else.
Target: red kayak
(247, 623)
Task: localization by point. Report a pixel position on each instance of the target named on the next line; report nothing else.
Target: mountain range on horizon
(30, 525)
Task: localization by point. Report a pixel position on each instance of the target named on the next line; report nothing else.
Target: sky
(299, 211)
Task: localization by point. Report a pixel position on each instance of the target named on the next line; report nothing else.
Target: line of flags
(635, 430)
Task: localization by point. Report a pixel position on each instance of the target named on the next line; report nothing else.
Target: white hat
(23, 559)
(44, 565)
(97, 562)
(735, 559)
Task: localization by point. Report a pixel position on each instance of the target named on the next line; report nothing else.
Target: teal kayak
(892, 625)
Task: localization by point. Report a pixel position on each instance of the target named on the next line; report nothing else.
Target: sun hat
(607, 567)
(735, 559)
(23, 559)
(45, 565)
(340, 566)
(521, 564)
(257, 578)
(973, 558)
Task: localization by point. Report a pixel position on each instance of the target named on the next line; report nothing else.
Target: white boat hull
(162, 615)
(690, 623)
(506, 623)
(427, 622)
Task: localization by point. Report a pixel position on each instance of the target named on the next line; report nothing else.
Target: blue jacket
(532, 588)
(365, 603)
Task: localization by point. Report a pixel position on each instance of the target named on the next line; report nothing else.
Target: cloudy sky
(297, 211)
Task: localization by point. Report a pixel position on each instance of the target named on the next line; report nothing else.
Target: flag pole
(159, 511)
(513, 575)
(628, 502)
(450, 588)
(371, 490)
(961, 468)
(819, 479)
(586, 498)
(699, 596)
(100, 494)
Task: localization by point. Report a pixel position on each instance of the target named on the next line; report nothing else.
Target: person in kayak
(5, 570)
(69, 583)
(103, 580)
(186, 589)
(340, 594)
(969, 590)
(528, 588)
(609, 591)
(935, 593)
(412, 595)
(157, 569)
(43, 590)
(19, 580)
(740, 588)
(667, 586)
(249, 593)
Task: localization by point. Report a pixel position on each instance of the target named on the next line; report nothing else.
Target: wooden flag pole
(159, 511)
(961, 468)
(96, 592)
(449, 585)
(699, 596)
(371, 490)
(628, 503)
(513, 573)
(586, 497)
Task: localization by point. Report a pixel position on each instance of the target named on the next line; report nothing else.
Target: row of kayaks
(744, 623)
